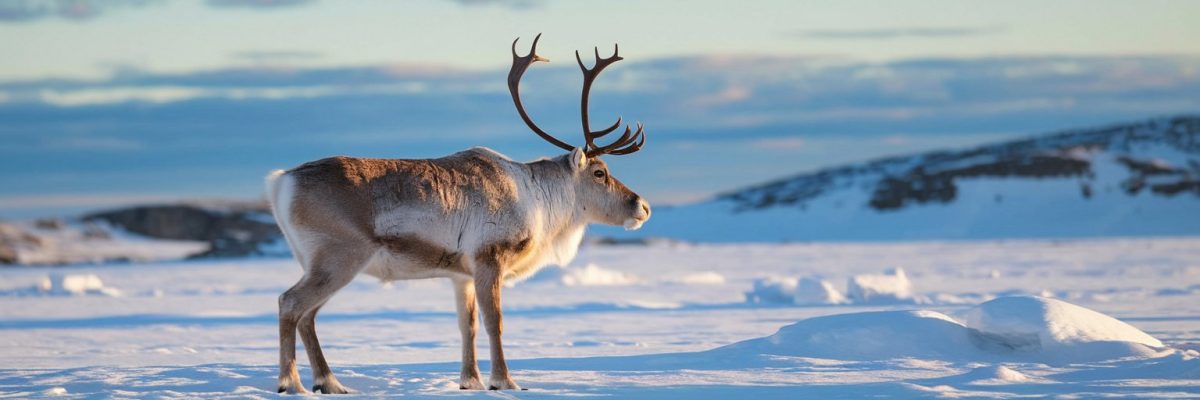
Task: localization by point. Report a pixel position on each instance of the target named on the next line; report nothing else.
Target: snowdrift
(1017, 329)
(588, 275)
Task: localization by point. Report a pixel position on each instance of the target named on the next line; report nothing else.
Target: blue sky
(110, 102)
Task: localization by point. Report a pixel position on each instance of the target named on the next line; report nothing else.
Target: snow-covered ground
(660, 321)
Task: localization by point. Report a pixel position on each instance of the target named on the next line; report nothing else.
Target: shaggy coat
(476, 217)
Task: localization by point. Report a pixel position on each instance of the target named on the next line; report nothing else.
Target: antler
(519, 65)
(629, 142)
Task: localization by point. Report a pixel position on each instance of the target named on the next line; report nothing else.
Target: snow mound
(75, 285)
(786, 290)
(773, 290)
(996, 375)
(866, 336)
(589, 275)
(1022, 329)
(701, 278)
(817, 291)
(55, 391)
(66, 285)
(1046, 322)
(892, 286)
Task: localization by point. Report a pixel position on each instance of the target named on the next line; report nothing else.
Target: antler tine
(589, 75)
(519, 65)
(629, 142)
(633, 147)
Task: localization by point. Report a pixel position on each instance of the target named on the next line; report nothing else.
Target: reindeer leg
(464, 296)
(289, 376)
(487, 288)
(298, 308)
(323, 379)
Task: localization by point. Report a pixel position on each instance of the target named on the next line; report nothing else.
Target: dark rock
(50, 224)
(12, 238)
(921, 187)
(1173, 188)
(230, 232)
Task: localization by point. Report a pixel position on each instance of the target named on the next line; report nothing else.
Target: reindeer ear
(578, 159)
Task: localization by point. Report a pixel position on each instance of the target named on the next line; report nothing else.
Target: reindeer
(476, 217)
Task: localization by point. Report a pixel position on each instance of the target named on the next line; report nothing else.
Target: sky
(105, 103)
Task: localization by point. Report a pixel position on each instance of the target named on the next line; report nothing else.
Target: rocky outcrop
(921, 186)
(230, 231)
(899, 182)
(12, 239)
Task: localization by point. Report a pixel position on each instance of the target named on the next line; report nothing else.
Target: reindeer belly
(409, 256)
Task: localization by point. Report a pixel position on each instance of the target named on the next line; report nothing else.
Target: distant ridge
(1131, 179)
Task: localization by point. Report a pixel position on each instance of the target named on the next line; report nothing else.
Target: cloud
(898, 33)
(779, 143)
(512, 4)
(222, 129)
(275, 56)
(81, 200)
(258, 4)
(172, 94)
(76, 10)
(17, 11)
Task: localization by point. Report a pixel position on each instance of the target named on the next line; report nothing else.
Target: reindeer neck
(551, 183)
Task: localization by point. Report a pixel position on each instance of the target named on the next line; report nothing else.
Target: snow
(892, 286)
(812, 290)
(1052, 322)
(57, 284)
(785, 290)
(701, 278)
(1111, 317)
(777, 290)
(75, 285)
(73, 242)
(589, 275)
(1024, 328)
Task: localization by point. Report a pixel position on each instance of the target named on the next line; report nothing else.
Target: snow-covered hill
(1137, 179)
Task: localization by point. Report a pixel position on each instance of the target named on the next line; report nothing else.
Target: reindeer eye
(599, 173)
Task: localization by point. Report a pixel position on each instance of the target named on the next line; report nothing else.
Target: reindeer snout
(642, 207)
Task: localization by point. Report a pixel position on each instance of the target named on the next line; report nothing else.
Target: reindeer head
(601, 197)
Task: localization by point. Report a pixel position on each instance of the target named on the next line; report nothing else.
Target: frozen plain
(652, 321)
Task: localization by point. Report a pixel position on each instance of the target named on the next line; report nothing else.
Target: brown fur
(349, 213)
(450, 183)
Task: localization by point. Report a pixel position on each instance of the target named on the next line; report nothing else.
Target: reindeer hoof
(331, 389)
(282, 389)
(503, 384)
